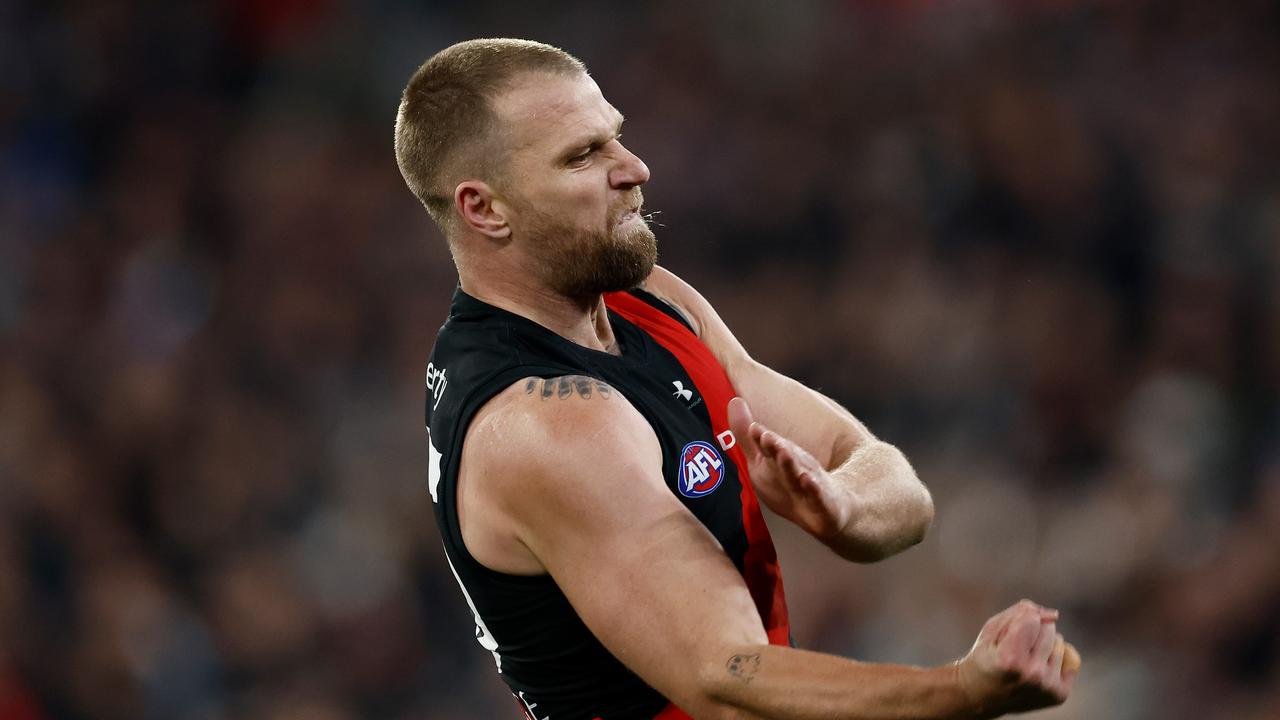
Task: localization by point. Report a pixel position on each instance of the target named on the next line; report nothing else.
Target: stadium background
(1035, 244)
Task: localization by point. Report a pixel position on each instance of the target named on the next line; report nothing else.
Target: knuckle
(1008, 663)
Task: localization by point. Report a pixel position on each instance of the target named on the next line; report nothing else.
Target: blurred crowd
(1035, 244)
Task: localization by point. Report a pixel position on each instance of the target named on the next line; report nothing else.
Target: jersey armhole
(455, 544)
(664, 307)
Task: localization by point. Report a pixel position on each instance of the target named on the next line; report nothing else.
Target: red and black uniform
(553, 664)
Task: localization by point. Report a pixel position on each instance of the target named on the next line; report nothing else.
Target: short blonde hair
(445, 124)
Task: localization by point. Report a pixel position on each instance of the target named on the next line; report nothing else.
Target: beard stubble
(581, 263)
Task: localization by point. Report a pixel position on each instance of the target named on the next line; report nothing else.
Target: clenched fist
(1017, 662)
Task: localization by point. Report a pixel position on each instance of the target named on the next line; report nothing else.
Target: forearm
(880, 506)
(888, 508)
(782, 683)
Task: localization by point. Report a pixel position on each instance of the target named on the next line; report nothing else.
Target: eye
(582, 159)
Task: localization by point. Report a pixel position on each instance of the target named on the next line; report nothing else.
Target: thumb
(740, 420)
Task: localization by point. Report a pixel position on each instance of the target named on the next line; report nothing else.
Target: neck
(579, 320)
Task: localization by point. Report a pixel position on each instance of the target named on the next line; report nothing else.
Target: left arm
(811, 460)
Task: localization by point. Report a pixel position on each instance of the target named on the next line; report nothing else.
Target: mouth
(629, 215)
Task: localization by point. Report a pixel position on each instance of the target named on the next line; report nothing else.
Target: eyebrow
(595, 141)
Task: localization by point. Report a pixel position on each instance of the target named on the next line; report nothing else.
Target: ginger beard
(580, 262)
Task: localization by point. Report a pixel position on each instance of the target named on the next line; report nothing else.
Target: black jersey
(555, 667)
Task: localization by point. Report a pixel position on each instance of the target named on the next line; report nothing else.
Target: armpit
(655, 289)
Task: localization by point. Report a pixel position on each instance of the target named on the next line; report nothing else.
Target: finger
(802, 479)
(807, 484)
(791, 455)
(769, 441)
(789, 461)
(1029, 607)
(803, 475)
(1021, 636)
(1043, 647)
(995, 627)
(740, 422)
(803, 459)
(991, 627)
(1046, 613)
(1009, 616)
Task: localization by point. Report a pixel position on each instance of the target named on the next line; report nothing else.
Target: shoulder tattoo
(567, 386)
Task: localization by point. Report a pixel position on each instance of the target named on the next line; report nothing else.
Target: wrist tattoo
(743, 667)
(568, 386)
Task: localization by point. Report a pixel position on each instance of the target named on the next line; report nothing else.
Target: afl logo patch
(701, 469)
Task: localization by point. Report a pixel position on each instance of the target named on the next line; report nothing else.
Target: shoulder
(704, 319)
(677, 293)
(541, 428)
(550, 456)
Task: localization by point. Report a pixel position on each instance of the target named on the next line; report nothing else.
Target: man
(599, 440)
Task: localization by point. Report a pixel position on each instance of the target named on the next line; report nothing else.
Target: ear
(481, 209)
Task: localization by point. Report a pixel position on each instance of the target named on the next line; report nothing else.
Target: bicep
(643, 574)
(805, 416)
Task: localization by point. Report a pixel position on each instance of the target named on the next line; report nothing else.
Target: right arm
(579, 480)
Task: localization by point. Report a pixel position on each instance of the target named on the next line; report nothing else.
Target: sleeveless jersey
(555, 667)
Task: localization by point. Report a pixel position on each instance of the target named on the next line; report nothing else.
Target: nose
(629, 171)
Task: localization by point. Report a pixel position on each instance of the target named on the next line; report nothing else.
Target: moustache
(635, 201)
